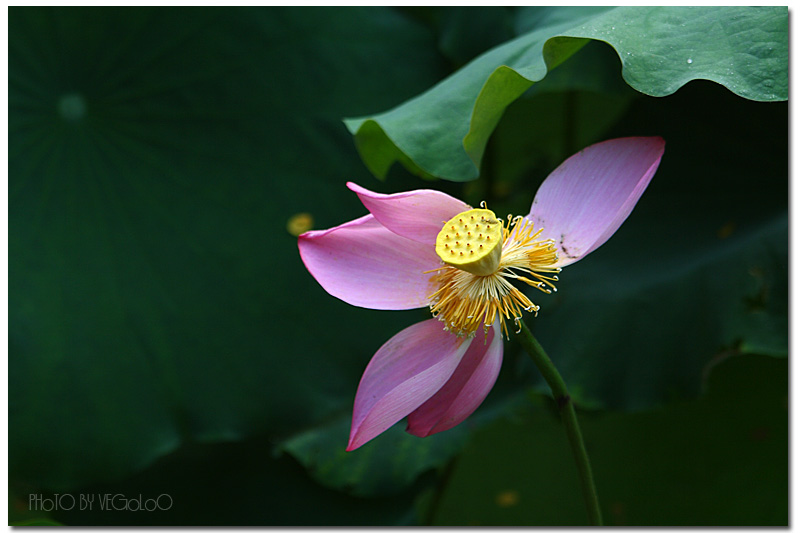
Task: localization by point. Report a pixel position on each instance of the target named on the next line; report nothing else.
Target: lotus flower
(424, 248)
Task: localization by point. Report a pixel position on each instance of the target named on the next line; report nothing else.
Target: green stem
(567, 410)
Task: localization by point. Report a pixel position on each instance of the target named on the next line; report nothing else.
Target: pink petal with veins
(586, 199)
(410, 368)
(366, 265)
(465, 390)
(418, 215)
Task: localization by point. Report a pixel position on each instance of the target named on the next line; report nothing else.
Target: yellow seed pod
(472, 241)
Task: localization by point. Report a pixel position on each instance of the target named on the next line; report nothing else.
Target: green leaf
(579, 102)
(381, 467)
(443, 132)
(156, 297)
(720, 460)
(663, 48)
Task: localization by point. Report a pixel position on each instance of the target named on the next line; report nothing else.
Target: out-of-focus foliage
(164, 336)
(719, 461)
(156, 155)
(382, 468)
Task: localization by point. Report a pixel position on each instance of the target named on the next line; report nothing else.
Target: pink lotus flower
(425, 248)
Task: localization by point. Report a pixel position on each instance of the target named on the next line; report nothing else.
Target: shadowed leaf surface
(155, 157)
(721, 460)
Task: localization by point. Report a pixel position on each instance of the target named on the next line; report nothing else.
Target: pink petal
(401, 376)
(465, 390)
(366, 265)
(417, 215)
(586, 199)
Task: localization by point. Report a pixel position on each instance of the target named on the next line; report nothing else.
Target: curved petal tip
(417, 215)
(587, 198)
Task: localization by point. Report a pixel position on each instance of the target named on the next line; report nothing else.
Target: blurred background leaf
(382, 468)
(718, 461)
(156, 156)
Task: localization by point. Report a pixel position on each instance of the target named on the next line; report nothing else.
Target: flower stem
(567, 410)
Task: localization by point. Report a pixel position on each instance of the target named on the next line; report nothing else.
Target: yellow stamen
(476, 288)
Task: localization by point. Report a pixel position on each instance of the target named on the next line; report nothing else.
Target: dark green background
(164, 336)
